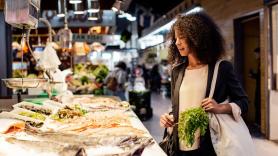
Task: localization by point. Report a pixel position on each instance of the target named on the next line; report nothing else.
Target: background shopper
(118, 77)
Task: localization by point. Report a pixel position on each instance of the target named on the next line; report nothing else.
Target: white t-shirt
(192, 92)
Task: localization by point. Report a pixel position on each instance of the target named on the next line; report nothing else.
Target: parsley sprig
(189, 121)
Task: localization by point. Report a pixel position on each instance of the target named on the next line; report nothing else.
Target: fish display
(101, 103)
(40, 110)
(47, 146)
(76, 129)
(11, 125)
(88, 140)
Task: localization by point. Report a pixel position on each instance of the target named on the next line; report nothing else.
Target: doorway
(247, 66)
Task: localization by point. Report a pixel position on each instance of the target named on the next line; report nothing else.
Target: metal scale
(24, 14)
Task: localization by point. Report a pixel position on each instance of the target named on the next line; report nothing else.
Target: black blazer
(227, 85)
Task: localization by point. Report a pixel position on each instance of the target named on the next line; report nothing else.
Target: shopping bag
(167, 144)
(229, 134)
(112, 82)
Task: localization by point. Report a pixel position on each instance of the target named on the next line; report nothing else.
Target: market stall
(88, 79)
(77, 125)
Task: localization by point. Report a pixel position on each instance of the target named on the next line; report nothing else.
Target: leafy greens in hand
(191, 120)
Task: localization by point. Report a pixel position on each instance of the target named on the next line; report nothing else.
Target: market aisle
(162, 104)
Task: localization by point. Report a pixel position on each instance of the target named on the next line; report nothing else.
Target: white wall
(273, 116)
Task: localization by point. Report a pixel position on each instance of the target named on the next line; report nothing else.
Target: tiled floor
(265, 147)
(162, 104)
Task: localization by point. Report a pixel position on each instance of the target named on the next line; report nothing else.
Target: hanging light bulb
(93, 16)
(65, 38)
(61, 8)
(65, 34)
(93, 6)
(78, 9)
(75, 1)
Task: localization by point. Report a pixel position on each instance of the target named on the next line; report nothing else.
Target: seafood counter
(78, 126)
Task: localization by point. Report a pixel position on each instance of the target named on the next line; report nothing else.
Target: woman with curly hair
(196, 45)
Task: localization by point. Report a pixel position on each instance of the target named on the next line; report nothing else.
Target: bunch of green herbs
(189, 122)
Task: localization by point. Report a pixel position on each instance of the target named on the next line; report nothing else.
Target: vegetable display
(189, 122)
(88, 79)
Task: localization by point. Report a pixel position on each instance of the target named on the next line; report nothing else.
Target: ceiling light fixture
(93, 6)
(75, 1)
(93, 16)
(78, 9)
(61, 8)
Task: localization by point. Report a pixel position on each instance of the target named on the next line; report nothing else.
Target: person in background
(146, 76)
(155, 79)
(116, 80)
(165, 77)
(139, 82)
(196, 45)
(164, 71)
(256, 75)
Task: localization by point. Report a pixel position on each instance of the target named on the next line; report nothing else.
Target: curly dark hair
(121, 65)
(202, 36)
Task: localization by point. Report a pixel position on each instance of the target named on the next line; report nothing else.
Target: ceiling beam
(170, 15)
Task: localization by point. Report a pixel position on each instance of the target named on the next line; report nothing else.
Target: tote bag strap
(215, 130)
(214, 78)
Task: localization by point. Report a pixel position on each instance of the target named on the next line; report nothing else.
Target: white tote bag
(229, 134)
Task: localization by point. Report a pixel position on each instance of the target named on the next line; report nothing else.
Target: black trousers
(189, 153)
(198, 152)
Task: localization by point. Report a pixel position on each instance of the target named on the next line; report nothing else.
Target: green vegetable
(78, 107)
(98, 91)
(101, 72)
(79, 67)
(69, 113)
(33, 115)
(84, 79)
(32, 76)
(191, 120)
(56, 117)
(19, 74)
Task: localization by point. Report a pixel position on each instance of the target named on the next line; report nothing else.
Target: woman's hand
(166, 120)
(210, 105)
